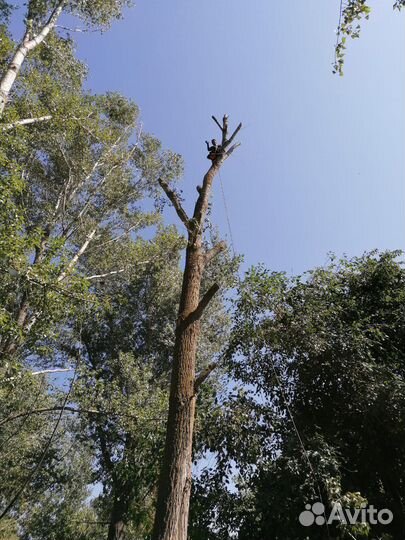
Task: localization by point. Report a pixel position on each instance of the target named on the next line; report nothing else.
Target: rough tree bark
(171, 519)
(28, 43)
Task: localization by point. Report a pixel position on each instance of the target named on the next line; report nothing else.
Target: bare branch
(26, 122)
(214, 251)
(42, 372)
(204, 374)
(224, 130)
(175, 202)
(81, 30)
(197, 313)
(217, 123)
(56, 370)
(69, 230)
(229, 152)
(229, 141)
(101, 276)
(73, 262)
(116, 238)
(206, 299)
(49, 409)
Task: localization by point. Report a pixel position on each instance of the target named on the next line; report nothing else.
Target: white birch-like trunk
(28, 44)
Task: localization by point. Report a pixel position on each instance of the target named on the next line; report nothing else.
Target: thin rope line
(297, 432)
(227, 214)
(339, 27)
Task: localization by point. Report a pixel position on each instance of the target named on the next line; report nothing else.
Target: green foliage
(99, 13)
(330, 345)
(82, 172)
(54, 494)
(59, 511)
(79, 279)
(353, 12)
(8, 529)
(89, 278)
(5, 11)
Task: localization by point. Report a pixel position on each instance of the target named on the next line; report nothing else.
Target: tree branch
(56, 370)
(205, 300)
(23, 313)
(214, 251)
(204, 374)
(72, 263)
(42, 372)
(47, 26)
(175, 202)
(229, 141)
(223, 128)
(9, 76)
(100, 276)
(229, 152)
(26, 122)
(116, 238)
(49, 409)
(70, 228)
(81, 30)
(217, 123)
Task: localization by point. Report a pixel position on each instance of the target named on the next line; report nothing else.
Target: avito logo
(316, 514)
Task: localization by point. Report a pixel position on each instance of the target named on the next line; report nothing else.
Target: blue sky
(322, 163)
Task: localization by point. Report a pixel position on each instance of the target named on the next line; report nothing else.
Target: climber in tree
(213, 150)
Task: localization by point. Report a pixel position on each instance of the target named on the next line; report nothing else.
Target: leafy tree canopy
(318, 405)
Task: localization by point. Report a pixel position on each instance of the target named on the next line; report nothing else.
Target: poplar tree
(351, 14)
(40, 21)
(172, 510)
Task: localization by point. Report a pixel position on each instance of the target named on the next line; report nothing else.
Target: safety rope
(280, 384)
(300, 439)
(227, 215)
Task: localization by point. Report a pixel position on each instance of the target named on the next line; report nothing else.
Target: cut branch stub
(217, 123)
(204, 374)
(214, 251)
(205, 300)
(172, 196)
(202, 305)
(225, 153)
(224, 129)
(230, 141)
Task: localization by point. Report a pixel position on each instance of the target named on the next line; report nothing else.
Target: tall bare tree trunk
(28, 44)
(171, 519)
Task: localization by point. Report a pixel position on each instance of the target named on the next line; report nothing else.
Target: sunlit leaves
(353, 12)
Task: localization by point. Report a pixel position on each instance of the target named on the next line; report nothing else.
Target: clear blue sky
(322, 166)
